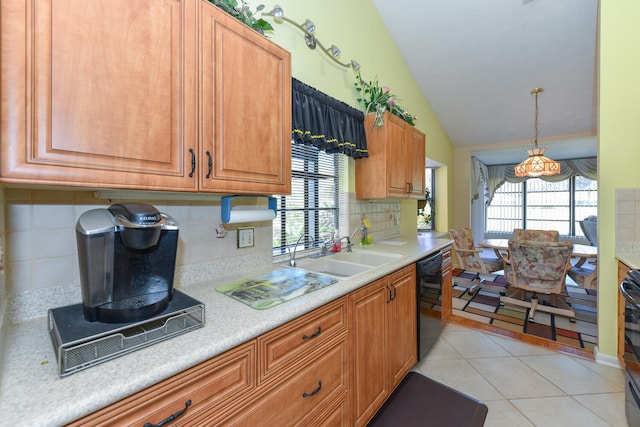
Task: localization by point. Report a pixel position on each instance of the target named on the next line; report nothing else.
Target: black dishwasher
(429, 293)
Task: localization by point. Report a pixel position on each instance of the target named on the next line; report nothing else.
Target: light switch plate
(245, 237)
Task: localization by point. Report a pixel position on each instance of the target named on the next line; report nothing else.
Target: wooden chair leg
(532, 311)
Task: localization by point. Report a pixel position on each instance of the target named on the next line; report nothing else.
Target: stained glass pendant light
(537, 164)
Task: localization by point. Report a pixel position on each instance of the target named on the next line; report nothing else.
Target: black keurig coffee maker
(127, 256)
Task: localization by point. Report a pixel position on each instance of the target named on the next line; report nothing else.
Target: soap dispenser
(336, 245)
(367, 238)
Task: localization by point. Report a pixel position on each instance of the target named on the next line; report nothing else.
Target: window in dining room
(539, 204)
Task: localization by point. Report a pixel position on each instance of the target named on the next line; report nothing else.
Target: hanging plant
(243, 13)
(378, 99)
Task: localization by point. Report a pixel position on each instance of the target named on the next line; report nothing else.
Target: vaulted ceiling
(477, 61)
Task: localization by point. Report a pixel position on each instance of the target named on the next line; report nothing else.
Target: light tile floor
(526, 385)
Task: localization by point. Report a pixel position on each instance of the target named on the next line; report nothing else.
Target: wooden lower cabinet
(286, 346)
(213, 388)
(334, 366)
(367, 325)
(383, 332)
(305, 392)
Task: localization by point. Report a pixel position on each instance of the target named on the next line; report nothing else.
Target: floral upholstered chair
(467, 257)
(539, 268)
(537, 235)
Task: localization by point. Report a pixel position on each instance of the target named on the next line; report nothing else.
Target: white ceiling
(476, 62)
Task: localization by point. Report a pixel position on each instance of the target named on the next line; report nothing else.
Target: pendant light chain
(536, 92)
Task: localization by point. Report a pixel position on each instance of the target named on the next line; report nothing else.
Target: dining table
(582, 252)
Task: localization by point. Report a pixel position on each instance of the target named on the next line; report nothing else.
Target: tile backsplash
(627, 220)
(41, 254)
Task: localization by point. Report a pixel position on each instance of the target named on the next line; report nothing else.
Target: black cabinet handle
(395, 292)
(193, 162)
(210, 164)
(171, 417)
(313, 335)
(315, 390)
(390, 295)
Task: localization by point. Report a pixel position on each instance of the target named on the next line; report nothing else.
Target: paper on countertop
(391, 242)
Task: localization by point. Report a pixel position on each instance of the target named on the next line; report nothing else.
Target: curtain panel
(326, 123)
(494, 176)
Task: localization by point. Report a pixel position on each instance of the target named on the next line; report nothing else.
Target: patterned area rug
(482, 304)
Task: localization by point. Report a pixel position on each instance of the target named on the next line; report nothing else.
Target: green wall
(357, 29)
(619, 144)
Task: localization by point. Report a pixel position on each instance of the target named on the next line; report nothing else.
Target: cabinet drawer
(336, 414)
(446, 256)
(281, 347)
(223, 380)
(307, 391)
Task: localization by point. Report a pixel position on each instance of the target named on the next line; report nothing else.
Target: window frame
(312, 209)
(573, 221)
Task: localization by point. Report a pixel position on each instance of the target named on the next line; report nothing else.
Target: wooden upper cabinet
(396, 152)
(99, 93)
(142, 94)
(415, 170)
(396, 162)
(246, 108)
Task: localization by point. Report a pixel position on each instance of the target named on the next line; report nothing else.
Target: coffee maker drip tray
(80, 344)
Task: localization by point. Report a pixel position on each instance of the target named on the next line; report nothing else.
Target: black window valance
(326, 123)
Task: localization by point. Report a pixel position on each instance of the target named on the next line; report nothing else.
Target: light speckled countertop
(630, 259)
(32, 393)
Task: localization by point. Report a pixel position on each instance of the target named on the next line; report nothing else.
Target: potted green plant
(243, 13)
(378, 99)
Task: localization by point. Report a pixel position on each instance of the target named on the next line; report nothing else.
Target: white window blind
(312, 208)
(537, 204)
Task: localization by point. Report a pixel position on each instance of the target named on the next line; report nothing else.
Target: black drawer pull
(313, 335)
(193, 162)
(171, 417)
(210, 164)
(315, 390)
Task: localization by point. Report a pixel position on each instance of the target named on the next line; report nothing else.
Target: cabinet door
(369, 384)
(246, 108)
(416, 162)
(397, 152)
(99, 93)
(402, 325)
(623, 269)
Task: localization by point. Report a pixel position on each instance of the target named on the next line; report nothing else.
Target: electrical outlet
(245, 237)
